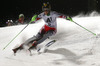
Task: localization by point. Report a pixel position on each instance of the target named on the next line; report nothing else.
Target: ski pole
(33, 19)
(85, 28)
(81, 26)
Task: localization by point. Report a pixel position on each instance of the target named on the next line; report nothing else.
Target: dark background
(10, 9)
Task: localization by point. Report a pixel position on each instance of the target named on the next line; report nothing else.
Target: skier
(49, 29)
(20, 20)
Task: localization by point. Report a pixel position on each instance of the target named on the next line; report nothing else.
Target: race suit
(49, 29)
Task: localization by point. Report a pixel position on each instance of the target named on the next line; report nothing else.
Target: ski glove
(69, 18)
(34, 18)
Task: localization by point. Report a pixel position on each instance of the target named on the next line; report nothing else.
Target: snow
(74, 47)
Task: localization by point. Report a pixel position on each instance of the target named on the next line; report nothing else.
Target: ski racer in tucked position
(49, 29)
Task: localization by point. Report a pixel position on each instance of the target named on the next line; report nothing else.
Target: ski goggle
(46, 9)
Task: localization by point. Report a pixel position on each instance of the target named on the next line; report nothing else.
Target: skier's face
(46, 11)
(22, 18)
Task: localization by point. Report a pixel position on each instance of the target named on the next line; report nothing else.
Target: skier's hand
(34, 18)
(69, 18)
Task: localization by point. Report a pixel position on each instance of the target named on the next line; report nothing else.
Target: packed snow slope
(71, 49)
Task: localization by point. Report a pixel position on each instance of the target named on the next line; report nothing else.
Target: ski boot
(18, 48)
(33, 46)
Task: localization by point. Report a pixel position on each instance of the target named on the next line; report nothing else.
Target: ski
(39, 49)
(28, 51)
(46, 46)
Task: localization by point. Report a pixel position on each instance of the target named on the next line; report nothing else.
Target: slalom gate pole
(33, 19)
(84, 28)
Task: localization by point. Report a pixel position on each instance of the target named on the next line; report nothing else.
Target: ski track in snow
(73, 46)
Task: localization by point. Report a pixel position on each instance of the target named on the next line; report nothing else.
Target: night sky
(10, 9)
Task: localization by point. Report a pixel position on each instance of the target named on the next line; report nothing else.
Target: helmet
(46, 6)
(21, 15)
